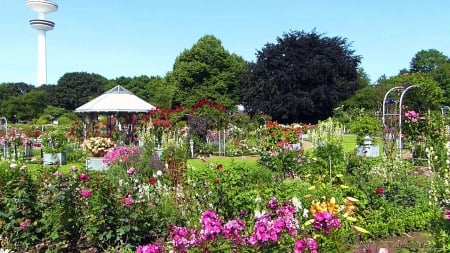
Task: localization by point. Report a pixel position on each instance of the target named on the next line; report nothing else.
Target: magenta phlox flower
(183, 238)
(86, 193)
(266, 229)
(84, 176)
(150, 248)
(326, 221)
(447, 214)
(232, 230)
(302, 245)
(131, 171)
(211, 225)
(25, 224)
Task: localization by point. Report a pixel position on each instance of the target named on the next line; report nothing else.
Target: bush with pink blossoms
(280, 229)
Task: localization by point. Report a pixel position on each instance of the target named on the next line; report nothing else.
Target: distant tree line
(303, 77)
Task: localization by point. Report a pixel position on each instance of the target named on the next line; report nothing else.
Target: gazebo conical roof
(117, 99)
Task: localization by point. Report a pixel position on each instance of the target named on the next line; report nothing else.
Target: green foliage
(207, 70)
(365, 125)
(427, 61)
(75, 89)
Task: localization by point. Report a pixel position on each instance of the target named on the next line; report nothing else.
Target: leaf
(352, 199)
(361, 230)
(351, 218)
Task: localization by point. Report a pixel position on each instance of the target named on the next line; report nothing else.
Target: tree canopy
(207, 71)
(302, 78)
(76, 88)
(427, 61)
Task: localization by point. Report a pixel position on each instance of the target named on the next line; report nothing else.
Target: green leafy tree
(207, 71)
(8, 90)
(427, 61)
(302, 78)
(25, 107)
(427, 96)
(442, 76)
(75, 89)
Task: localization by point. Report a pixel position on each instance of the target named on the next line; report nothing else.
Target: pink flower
(127, 201)
(150, 248)
(131, 171)
(85, 193)
(303, 244)
(447, 214)
(84, 176)
(74, 168)
(25, 224)
(58, 174)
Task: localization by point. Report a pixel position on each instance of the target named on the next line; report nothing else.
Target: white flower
(296, 203)
(257, 200)
(258, 213)
(305, 213)
(159, 173)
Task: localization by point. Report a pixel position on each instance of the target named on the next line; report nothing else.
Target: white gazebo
(116, 101)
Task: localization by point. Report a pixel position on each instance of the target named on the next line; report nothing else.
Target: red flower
(380, 190)
(219, 166)
(216, 181)
(152, 181)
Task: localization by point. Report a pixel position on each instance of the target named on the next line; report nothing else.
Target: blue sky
(143, 37)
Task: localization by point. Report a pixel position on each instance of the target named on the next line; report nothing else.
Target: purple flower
(303, 244)
(273, 204)
(150, 248)
(211, 225)
(326, 221)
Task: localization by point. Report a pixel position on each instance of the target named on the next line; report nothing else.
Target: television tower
(42, 25)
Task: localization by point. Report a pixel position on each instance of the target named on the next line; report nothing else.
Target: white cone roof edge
(117, 99)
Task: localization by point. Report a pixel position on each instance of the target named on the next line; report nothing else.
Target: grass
(225, 161)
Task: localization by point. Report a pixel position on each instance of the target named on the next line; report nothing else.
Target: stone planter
(54, 158)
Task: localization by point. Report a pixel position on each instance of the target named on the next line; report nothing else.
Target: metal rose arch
(392, 119)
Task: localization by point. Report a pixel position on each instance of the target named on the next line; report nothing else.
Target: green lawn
(225, 161)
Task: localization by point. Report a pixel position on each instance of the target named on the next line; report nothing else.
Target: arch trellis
(392, 119)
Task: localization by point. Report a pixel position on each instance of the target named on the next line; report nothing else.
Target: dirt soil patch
(410, 242)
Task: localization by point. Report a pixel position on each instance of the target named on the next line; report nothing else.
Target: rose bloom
(152, 180)
(447, 214)
(25, 224)
(380, 191)
(131, 171)
(58, 174)
(85, 193)
(127, 201)
(84, 176)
